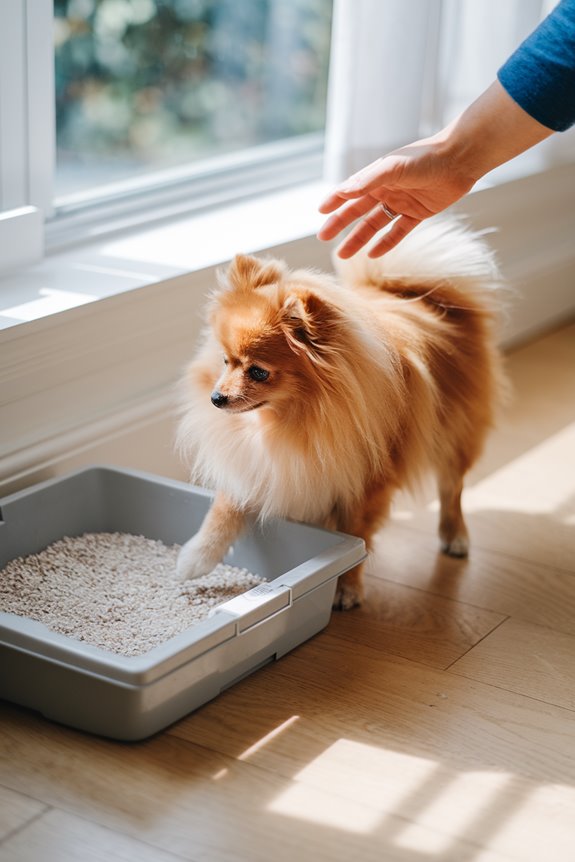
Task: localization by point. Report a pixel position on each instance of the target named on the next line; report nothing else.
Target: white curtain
(401, 69)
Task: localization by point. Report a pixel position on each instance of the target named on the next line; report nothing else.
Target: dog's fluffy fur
(334, 393)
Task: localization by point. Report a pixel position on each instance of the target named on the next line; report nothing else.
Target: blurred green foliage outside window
(143, 85)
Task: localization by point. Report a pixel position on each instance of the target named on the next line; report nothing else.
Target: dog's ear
(248, 273)
(296, 322)
(307, 322)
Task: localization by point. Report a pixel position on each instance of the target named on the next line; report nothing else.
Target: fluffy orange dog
(316, 399)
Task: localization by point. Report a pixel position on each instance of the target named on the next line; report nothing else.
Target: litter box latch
(256, 605)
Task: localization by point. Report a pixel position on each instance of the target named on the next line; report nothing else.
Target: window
(147, 85)
(113, 111)
(114, 108)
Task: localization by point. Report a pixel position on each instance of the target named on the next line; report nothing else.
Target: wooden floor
(435, 723)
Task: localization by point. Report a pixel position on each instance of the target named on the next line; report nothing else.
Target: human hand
(414, 182)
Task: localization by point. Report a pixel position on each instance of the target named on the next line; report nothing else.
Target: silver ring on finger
(391, 214)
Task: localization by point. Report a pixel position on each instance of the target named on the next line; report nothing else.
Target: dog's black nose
(218, 399)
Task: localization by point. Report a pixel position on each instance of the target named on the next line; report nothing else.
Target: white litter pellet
(116, 591)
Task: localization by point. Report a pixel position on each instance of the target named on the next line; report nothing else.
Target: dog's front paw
(348, 593)
(193, 561)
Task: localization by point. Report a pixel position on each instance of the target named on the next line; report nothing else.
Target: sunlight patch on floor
(261, 743)
(422, 807)
(368, 772)
(539, 481)
(320, 807)
(452, 809)
(221, 773)
(415, 803)
(544, 825)
(350, 783)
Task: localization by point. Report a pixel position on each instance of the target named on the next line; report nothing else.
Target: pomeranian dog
(315, 398)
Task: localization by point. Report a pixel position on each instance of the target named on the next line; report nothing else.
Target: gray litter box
(133, 697)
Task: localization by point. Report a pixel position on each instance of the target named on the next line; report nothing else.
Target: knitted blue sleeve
(540, 74)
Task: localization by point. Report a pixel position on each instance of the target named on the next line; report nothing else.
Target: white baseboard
(141, 438)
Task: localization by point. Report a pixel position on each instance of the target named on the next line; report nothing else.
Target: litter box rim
(227, 621)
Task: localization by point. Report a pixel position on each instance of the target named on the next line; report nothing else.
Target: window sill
(126, 261)
(113, 266)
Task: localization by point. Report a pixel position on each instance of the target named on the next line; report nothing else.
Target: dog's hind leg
(349, 590)
(453, 533)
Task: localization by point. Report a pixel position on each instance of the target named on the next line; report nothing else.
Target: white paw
(457, 547)
(193, 561)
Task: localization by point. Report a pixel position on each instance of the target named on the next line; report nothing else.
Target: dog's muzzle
(218, 399)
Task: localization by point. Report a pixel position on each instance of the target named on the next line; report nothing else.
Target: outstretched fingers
(398, 230)
(372, 222)
(333, 202)
(349, 212)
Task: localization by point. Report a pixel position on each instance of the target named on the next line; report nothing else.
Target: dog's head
(272, 329)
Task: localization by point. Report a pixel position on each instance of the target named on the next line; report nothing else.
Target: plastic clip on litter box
(132, 697)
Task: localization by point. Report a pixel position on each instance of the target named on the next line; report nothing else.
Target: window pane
(143, 85)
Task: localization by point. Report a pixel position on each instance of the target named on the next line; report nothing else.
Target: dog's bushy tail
(439, 250)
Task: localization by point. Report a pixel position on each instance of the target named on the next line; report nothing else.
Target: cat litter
(116, 591)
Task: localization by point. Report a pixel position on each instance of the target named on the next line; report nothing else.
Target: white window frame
(29, 222)
(196, 187)
(26, 128)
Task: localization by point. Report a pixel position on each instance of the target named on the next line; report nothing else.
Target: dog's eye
(226, 360)
(257, 373)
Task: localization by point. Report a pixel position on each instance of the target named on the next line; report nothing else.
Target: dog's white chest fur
(257, 471)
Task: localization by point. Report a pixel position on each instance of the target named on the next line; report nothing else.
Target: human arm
(426, 177)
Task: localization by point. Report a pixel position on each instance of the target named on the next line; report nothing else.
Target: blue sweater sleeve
(540, 74)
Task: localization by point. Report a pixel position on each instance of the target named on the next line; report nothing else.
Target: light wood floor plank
(482, 764)
(507, 586)
(414, 624)
(191, 802)
(16, 810)
(327, 690)
(61, 837)
(527, 659)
